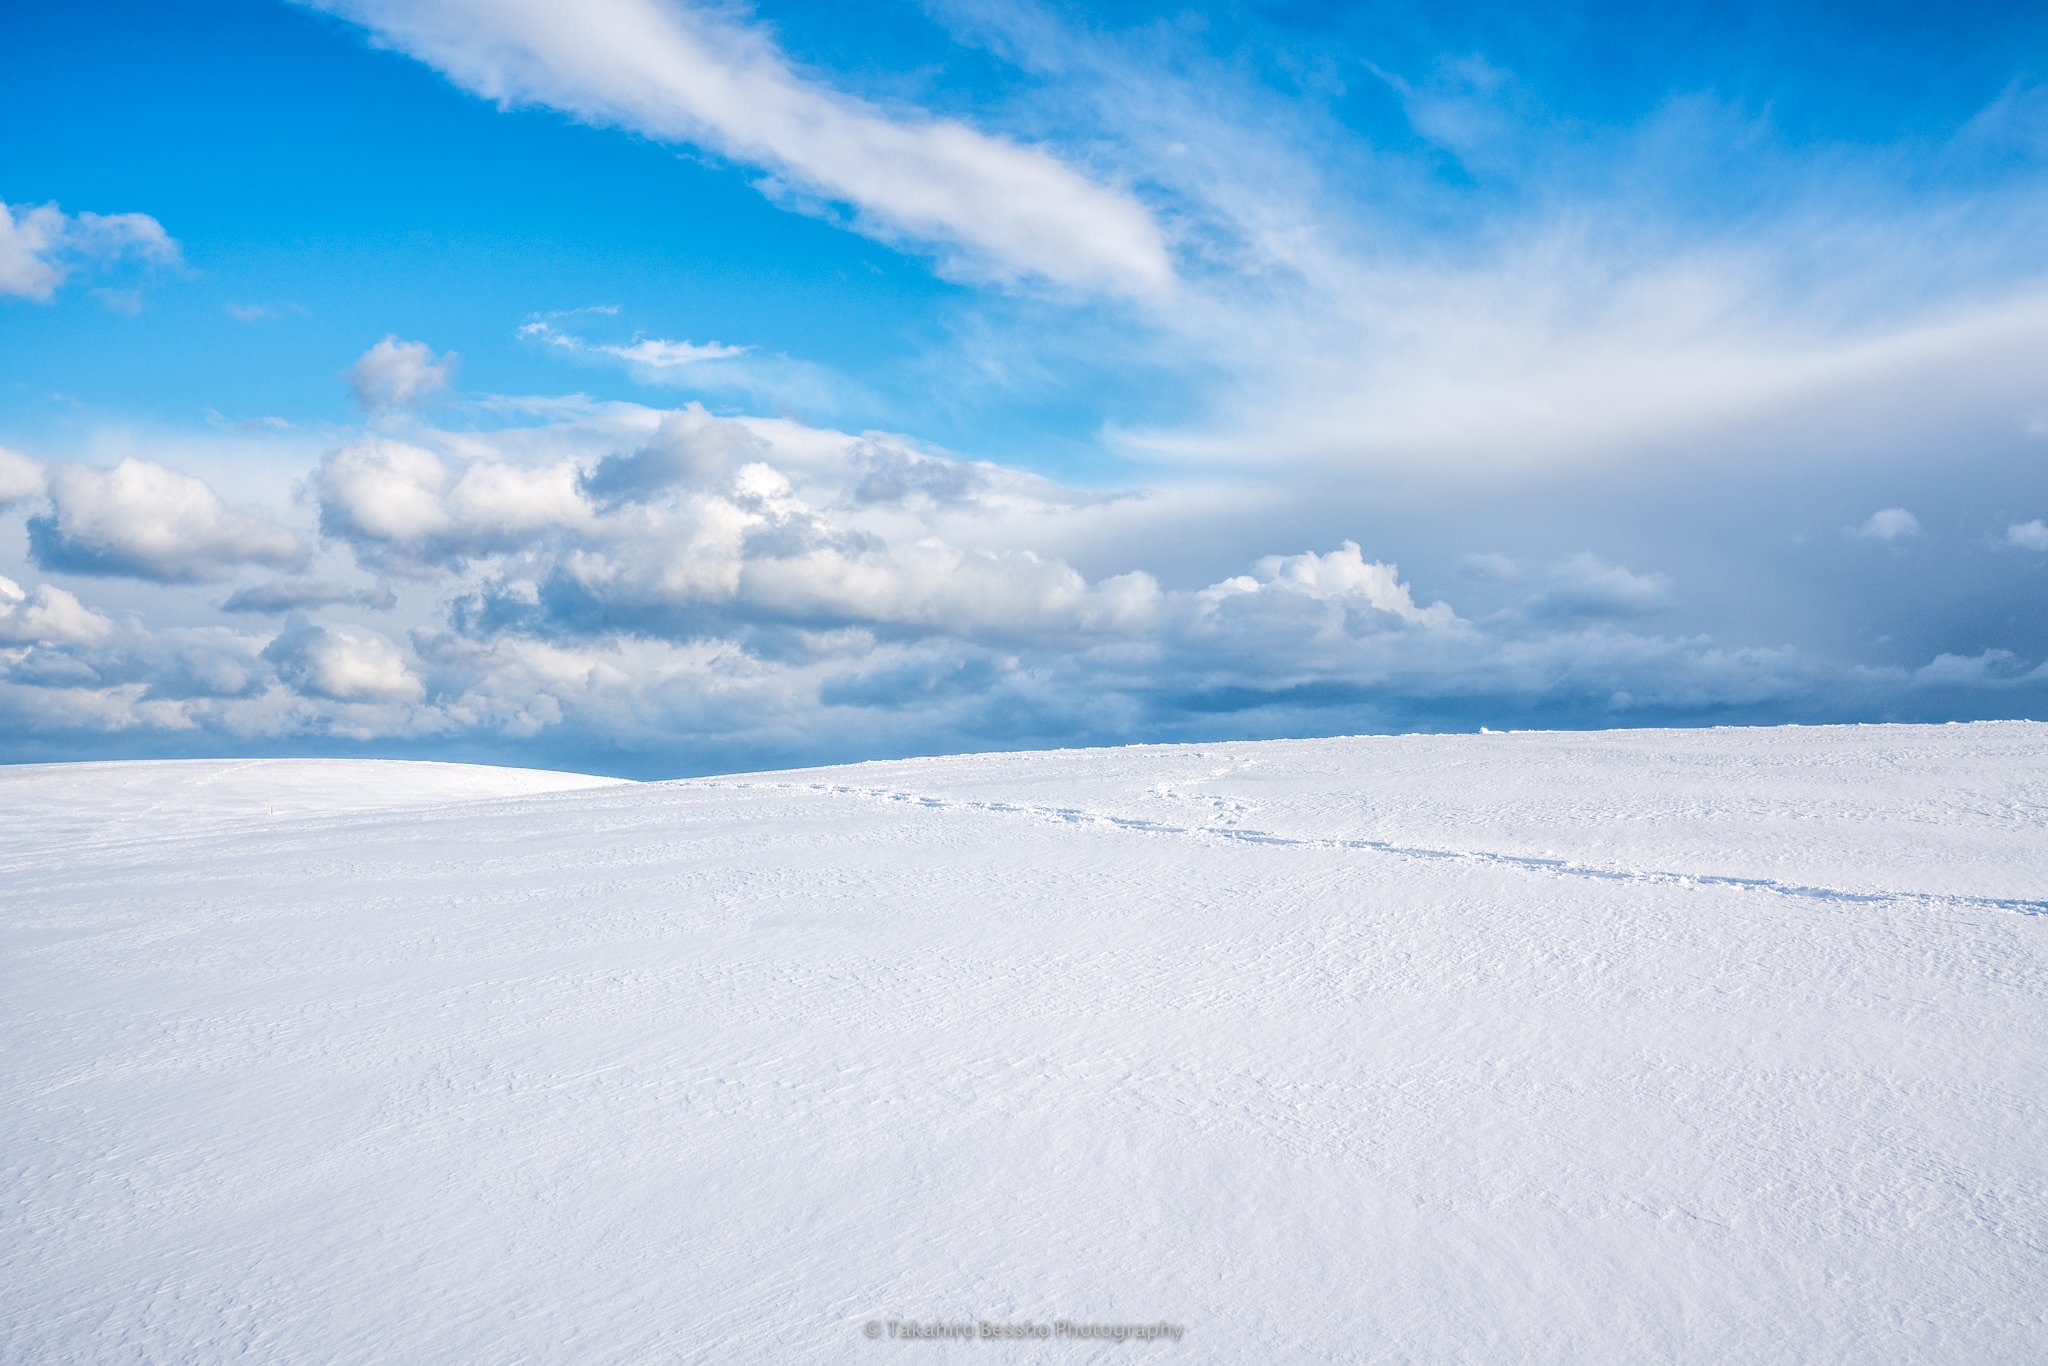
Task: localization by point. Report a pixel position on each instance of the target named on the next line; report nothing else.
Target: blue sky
(673, 388)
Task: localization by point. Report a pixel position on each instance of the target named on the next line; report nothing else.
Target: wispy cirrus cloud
(647, 353)
(1570, 294)
(693, 73)
(708, 367)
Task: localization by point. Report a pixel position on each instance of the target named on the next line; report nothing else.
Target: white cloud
(749, 590)
(395, 374)
(1889, 524)
(1465, 107)
(30, 246)
(706, 367)
(381, 490)
(693, 73)
(747, 521)
(753, 550)
(1349, 310)
(343, 664)
(690, 448)
(42, 246)
(141, 520)
(657, 353)
(934, 586)
(652, 353)
(2028, 535)
(49, 615)
(1343, 575)
(393, 499)
(20, 477)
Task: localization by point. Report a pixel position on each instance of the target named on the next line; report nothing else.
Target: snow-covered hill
(1706, 1046)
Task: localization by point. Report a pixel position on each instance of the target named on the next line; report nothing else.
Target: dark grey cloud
(1585, 585)
(293, 595)
(690, 449)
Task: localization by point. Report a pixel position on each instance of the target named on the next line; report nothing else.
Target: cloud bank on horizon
(997, 377)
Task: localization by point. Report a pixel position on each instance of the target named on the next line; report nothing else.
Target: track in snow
(1561, 867)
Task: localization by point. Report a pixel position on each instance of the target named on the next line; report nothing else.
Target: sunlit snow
(1724, 1045)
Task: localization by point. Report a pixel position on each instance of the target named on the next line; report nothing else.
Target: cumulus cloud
(342, 664)
(1342, 577)
(141, 520)
(396, 374)
(696, 519)
(42, 246)
(891, 472)
(178, 664)
(692, 73)
(934, 586)
(690, 449)
(697, 527)
(1889, 524)
(2028, 535)
(20, 477)
(402, 504)
(47, 616)
(698, 591)
(758, 556)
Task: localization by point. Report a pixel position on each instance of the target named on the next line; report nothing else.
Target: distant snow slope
(1658, 1046)
(55, 803)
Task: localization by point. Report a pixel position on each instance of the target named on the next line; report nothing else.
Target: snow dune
(1712, 1045)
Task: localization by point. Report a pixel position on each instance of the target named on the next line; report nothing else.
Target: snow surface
(1717, 1045)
